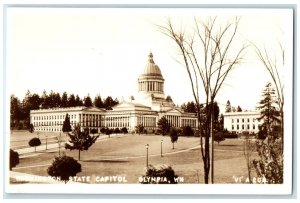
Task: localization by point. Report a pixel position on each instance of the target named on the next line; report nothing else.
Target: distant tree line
(218, 119)
(20, 109)
(230, 108)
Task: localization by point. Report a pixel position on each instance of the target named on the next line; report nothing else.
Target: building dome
(151, 69)
(151, 81)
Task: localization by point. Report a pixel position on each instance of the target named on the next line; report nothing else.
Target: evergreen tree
(57, 100)
(30, 102)
(269, 113)
(16, 114)
(64, 100)
(71, 101)
(67, 125)
(54, 100)
(184, 107)
(44, 100)
(88, 101)
(78, 101)
(108, 103)
(80, 140)
(115, 102)
(163, 125)
(239, 109)
(98, 102)
(191, 107)
(169, 98)
(228, 107)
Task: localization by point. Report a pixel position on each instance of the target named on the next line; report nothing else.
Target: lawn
(126, 156)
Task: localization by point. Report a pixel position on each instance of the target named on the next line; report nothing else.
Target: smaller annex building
(246, 121)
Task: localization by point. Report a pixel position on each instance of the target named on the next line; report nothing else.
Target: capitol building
(146, 108)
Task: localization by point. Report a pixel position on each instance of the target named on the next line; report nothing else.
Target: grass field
(126, 156)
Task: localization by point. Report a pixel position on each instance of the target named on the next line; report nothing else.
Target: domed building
(150, 104)
(151, 87)
(146, 108)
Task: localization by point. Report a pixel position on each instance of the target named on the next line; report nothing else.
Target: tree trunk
(206, 157)
(282, 131)
(173, 145)
(249, 171)
(212, 139)
(78, 155)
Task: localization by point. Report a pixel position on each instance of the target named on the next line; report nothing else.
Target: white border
(172, 189)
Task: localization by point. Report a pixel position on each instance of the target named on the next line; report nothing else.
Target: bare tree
(248, 149)
(208, 55)
(272, 64)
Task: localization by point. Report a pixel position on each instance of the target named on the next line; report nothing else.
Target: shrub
(270, 162)
(163, 175)
(124, 130)
(103, 130)
(117, 130)
(94, 131)
(34, 142)
(173, 135)
(187, 131)
(108, 132)
(13, 159)
(63, 168)
(31, 128)
(218, 137)
(230, 135)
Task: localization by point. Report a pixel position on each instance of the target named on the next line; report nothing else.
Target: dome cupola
(151, 68)
(151, 80)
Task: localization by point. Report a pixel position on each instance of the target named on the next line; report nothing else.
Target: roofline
(241, 113)
(67, 109)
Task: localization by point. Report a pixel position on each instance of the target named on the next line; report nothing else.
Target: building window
(237, 127)
(242, 127)
(232, 120)
(253, 127)
(248, 120)
(248, 127)
(242, 120)
(237, 120)
(232, 127)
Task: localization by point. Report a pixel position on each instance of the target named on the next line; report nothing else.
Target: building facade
(51, 120)
(146, 108)
(239, 122)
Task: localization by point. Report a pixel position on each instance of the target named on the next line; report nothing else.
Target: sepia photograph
(134, 100)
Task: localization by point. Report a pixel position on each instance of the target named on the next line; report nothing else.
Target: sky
(103, 51)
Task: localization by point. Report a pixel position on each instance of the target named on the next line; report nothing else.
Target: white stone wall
(242, 121)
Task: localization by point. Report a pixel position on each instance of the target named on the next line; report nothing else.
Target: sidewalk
(55, 145)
